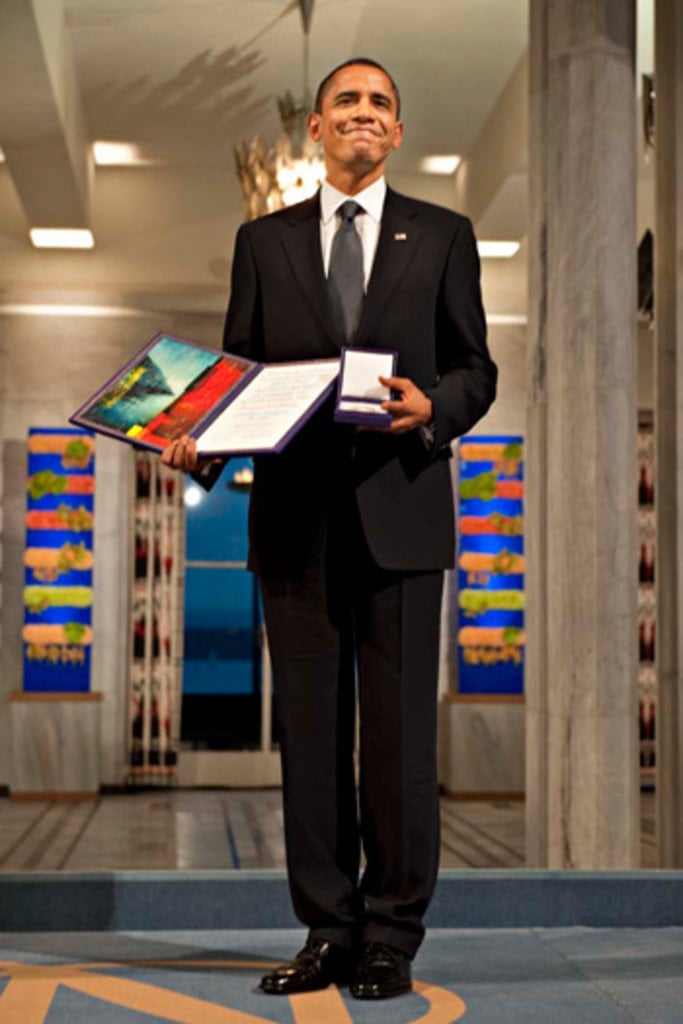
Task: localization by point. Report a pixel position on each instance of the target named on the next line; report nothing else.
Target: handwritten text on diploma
(264, 413)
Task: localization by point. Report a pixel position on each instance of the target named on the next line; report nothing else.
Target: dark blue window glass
(219, 631)
(217, 524)
(222, 655)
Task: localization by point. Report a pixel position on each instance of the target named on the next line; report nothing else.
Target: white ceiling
(187, 76)
(186, 79)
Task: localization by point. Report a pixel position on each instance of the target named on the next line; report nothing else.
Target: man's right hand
(181, 454)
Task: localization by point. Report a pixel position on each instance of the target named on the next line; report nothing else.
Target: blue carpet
(172, 900)
(535, 976)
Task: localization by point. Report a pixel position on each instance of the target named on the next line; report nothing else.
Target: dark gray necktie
(345, 276)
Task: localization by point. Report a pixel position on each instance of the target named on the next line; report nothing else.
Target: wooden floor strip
(37, 816)
(512, 853)
(485, 856)
(458, 858)
(217, 829)
(91, 812)
(59, 821)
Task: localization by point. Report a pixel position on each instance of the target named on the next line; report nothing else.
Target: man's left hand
(411, 409)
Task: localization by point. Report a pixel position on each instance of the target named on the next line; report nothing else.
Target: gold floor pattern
(31, 988)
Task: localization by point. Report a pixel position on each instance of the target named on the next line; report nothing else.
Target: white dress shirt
(367, 222)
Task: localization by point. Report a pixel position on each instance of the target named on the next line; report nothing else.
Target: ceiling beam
(42, 126)
(499, 151)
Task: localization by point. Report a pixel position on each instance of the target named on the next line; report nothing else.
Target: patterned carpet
(535, 976)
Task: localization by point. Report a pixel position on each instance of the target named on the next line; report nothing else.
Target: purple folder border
(359, 418)
(79, 418)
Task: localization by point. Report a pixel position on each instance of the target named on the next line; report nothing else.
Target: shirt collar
(371, 199)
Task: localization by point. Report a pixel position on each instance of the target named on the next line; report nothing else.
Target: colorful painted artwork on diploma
(166, 393)
(489, 590)
(58, 560)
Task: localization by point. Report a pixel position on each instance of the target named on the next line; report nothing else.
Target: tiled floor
(534, 976)
(229, 828)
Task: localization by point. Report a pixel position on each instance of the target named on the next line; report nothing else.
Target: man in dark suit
(350, 531)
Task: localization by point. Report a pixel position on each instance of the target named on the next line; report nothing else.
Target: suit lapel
(398, 242)
(302, 245)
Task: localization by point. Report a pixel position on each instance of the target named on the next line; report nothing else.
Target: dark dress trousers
(350, 532)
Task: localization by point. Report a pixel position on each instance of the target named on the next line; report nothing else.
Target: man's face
(358, 125)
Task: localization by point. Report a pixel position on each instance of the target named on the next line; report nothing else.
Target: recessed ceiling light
(444, 164)
(2, 156)
(497, 250)
(117, 154)
(62, 238)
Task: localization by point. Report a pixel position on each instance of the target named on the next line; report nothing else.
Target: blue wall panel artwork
(489, 590)
(58, 560)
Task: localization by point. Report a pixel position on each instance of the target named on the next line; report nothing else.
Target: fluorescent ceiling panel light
(47, 309)
(62, 238)
(497, 250)
(506, 318)
(117, 154)
(444, 164)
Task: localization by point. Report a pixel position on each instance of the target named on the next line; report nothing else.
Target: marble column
(669, 425)
(582, 753)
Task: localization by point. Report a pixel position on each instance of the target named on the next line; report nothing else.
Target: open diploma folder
(229, 404)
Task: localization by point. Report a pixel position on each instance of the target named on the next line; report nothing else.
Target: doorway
(226, 721)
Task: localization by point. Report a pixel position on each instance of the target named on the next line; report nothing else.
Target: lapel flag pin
(400, 236)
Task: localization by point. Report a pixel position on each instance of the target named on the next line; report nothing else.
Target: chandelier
(272, 177)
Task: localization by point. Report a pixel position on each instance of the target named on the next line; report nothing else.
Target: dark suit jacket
(423, 300)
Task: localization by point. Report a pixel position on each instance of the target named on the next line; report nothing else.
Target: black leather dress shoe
(382, 972)
(318, 965)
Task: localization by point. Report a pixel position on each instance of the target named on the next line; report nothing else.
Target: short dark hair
(367, 62)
